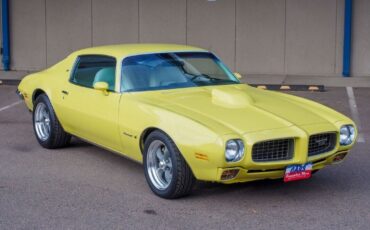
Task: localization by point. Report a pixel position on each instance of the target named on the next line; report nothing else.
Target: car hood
(241, 108)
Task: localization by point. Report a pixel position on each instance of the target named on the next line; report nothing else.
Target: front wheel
(166, 171)
(48, 131)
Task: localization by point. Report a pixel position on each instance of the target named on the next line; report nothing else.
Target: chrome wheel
(159, 165)
(42, 122)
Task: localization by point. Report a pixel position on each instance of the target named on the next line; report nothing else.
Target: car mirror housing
(238, 75)
(102, 86)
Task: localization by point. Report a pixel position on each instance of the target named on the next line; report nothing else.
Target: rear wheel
(49, 133)
(166, 171)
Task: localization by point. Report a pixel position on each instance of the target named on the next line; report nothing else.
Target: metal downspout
(347, 39)
(5, 34)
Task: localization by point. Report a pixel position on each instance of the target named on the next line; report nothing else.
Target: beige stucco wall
(68, 27)
(361, 37)
(162, 21)
(260, 36)
(251, 36)
(211, 25)
(310, 36)
(115, 21)
(27, 34)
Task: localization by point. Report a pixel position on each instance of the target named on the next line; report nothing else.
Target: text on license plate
(298, 172)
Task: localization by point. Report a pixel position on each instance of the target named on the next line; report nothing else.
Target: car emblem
(321, 142)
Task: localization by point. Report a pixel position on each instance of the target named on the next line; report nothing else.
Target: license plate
(298, 172)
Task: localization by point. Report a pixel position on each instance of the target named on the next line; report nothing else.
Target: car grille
(273, 150)
(321, 143)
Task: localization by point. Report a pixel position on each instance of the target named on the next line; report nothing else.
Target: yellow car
(183, 114)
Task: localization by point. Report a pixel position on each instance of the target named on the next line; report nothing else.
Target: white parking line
(9, 106)
(354, 112)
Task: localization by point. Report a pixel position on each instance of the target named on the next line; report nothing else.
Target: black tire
(182, 179)
(58, 138)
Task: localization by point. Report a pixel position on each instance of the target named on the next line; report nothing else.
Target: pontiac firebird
(183, 114)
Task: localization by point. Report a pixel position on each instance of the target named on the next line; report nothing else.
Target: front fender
(201, 147)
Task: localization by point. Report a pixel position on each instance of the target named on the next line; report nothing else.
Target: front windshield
(174, 70)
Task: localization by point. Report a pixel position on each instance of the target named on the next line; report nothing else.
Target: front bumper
(19, 94)
(245, 175)
(212, 166)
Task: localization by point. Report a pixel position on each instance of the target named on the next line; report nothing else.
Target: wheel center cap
(162, 164)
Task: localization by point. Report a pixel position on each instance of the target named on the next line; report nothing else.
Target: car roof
(124, 50)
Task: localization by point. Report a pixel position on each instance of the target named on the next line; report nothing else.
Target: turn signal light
(229, 174)
(339, 157)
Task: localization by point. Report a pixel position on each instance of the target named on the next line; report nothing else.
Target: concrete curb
(285, 87)
(10, 82)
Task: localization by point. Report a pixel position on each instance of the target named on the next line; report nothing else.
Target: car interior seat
(106, 75)
(166, 74)
(135, 77)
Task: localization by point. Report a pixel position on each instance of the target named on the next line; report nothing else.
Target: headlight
(347, 135)
(234, 150)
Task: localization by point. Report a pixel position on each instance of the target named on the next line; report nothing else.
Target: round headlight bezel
(347, 135)
(234, 150)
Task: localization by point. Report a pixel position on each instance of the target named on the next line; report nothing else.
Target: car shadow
(324, 183)
(319, 185)
(100, 154)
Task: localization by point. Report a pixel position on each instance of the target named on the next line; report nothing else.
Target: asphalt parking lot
(85, 187)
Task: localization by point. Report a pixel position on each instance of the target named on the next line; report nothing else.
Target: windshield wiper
(205, 76)
(195, 76)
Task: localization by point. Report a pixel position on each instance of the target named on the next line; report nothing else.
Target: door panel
(92, 115)
(89, 113)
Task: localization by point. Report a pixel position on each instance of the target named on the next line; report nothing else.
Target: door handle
(65, 92)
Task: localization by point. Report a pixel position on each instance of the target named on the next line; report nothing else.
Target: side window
(94, 68)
